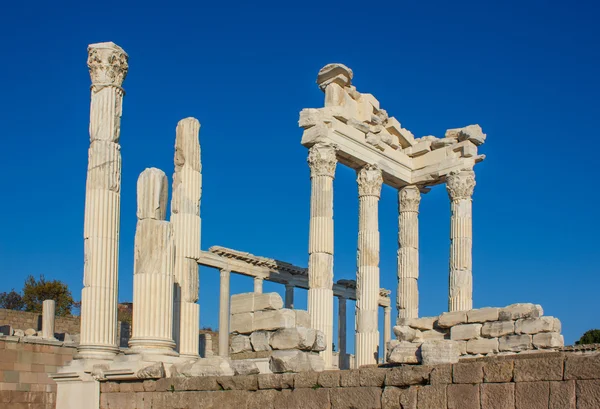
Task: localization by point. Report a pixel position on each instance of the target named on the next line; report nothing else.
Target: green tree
(589, 337)
(11, 300)
(36, 291)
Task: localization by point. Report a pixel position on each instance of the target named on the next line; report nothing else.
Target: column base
(157, 346)
(97, 352)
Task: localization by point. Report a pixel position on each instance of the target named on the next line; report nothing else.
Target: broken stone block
(465, 332)
(274, 319)
(244, 367)
(405, 137)
(310, 117)
(302, 318)
(317, 363)
(535, 325)
(212, 366)
(423, 323)
(155, 371)
(242, 323)
(375, 140)
(420, 148)
(405, 353)
(406, 333)
(6, 330)
(240, 343)
(450, 319)
(436, 352)
(241, 303)
(514, 343)
(483, 315)
(473, 133)
(431, 334)
(497, 329)
(361, 126)
(334, 73)
(443, 142)
(30, 332)
(260, 340)
(548, 340)
(19, 333)
(517, 311)
(482, 346)
(320, 342)
(290, 361)
(294, 338)
(267, 301)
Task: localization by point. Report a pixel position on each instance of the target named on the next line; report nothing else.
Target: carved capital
(108, 64)
(409, 198)
(322, 160)
(460, 184)
(369, 181)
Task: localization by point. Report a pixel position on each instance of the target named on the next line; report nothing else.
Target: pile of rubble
(31, 333)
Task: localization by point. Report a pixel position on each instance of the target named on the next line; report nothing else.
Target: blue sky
(526, 72)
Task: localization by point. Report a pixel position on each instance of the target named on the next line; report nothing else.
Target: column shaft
(48, 312)
(258, 285)
(224, 313)
(342, 334)
(387, 327)
(289, 296)
(408, 252)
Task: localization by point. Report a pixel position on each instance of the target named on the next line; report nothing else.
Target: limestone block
(432, 334)
(260, 340)
(293, 338)
(274, 319)
(240, 343)
(267, 301)
(483, 315)
(418, 149)
(497, 329)
(335, 95)
(548, 340)
(244, 367)
(19, 333)
(375, 140)
(405, 353)
(310, 117)
(302, 318)
(423, 323)
(450, 319)
(334, 73)
(443, 142)
(242, 323)
(434, 352)
(405, 137)
(361, 126)
(317, 363)
(465, 332)
(482, 346)
(406, 333)
(517, 311)
(290, 361)
(30, 332)
(472, 133)
(155, 371)
(212, 366)
(241, 303)
(535, 325)
(320, 342)
(514, 343)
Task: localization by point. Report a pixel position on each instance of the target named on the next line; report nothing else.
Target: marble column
(258, 285)
(367, 276)
(224, 313)
(289, 295)
(387, 327)
(48, 312)
(153, 268)
(342, 334)
(185, 218)
(108, 67)
(407, 300)
(322, 162)
(460, 187)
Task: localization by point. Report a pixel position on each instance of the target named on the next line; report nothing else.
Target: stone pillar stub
(342, 334)
(460, 186)
(369, 182)
(48, 313)
(224, 313)
(407, 301)
(108, 66)
(387, 327)
(258, 285)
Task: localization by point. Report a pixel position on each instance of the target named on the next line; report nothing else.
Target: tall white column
(153, 268)
(258, 285)
(407, 300)
(460, 187)
(185, 218)
(289, 295)
(224, 313)
(107, 63)
(322, 162)
(342, 334)
(48, 312)
(387, 327)
(367, 276)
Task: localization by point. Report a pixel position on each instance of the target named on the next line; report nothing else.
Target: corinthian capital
(369, 181)
(409, 199)
(460, 184)
(322, 160)
(107, 63)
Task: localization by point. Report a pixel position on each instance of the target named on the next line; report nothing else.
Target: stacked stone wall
(24, 365)
(537, 380)
(25, 320)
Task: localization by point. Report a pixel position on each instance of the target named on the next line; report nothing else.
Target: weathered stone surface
(465, 332)
(497, 329)
(498, 371)
(399, 398)
(407, 375)
(349, 378)
(320, 342)
(548, 340)
(406, 333)
(498, 395)
(302, 318)
(432, 334)
(588, 394)
(243, 367)
(468, 372)
(536, 368)
(240, 383)
(260, 340)
(293, 338)
(514, 343)
(241, 303)
(439, 352)
(482, 346)
(431, 397)
(242, 323)
(240, 343)
(441, 374)
(155, 371)
(483, 315)
(372, 376)
(317, 363)
(211, 366)
(405, 353)
(292, 361)
(274, 319)
(562, 395)
(262, 399)
(450, 319)
(517, 311)
(536, 325)
(267, 301)
(463, 397)
(532, 395)
(329, 379)
(19, 333)
(423, 323)
(306, 380)
(582, 367)
(197, 383)
(275, 381)
(359, 398)
(30, 332)
(303, 398)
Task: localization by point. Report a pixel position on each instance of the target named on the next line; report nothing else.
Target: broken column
(224, 313)
(367, 276)
(460, 187)
(387, 327)
(48, 312)
(407, 301)
(107, 63)
(185, 218)
(322, 162)
(289, 295)
(153, 268)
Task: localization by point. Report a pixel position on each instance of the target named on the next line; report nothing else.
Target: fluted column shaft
(258, 285)
(289, 295)
(367, 275)
(460, 186)
(48, 312)
(107, 63)
(224, 313)
(387, 327)
(322, 162)
(342, 334)
(407, 300)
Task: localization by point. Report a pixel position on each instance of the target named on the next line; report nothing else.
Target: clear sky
(527, 72)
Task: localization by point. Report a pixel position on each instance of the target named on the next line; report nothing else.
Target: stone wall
(24, 365)
(25, 320)
(546, 380)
